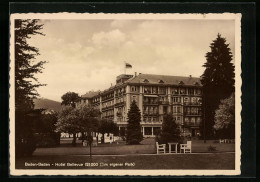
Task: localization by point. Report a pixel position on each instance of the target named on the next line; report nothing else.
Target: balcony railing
(193, 113)
(119, 94)
(191, 123)
(192, 103)
(107, 107)
(164, 102)
(179, 102)
(150, 102)
(119, 104)
(151, 113)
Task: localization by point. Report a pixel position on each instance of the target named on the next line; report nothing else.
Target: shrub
(211, 148)
(25, 147)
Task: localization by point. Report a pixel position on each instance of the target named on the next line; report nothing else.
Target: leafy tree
(225, 118)
(170, 131)
(26, 67)
(68, 122)
(133, 131)
(74, 120)
(217, 80)
(107, 126)
(70, 98)
(88, 119)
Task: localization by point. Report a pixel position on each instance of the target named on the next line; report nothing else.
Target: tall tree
(26, 65)
(170, 130)
(133, 132)
(225, 118)
(217, 80)
(70, 98)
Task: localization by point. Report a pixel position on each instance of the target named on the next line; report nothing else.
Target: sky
(85, 55)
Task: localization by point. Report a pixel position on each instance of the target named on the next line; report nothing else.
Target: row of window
(173, 90)
(192, 110)
(108, 104)
(108, 113)
(120, 99)
(108, 96)
(119, 91)
(150, 110)
(192, 120)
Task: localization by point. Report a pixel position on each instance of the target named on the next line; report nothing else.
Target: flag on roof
(127, 65)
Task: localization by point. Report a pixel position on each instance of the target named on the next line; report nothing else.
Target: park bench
(161, 148)
(186, 147)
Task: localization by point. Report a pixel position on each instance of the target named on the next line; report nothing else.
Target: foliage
(25, 143)
(133, 132)
(107, 126)
(80, 119)
(225, 118)
(26, 83)
(170, 131)
(217, 80)
(70, 98)
(25, 65)
(211, 148)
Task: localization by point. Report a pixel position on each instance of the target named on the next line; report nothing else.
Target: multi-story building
(155, 95)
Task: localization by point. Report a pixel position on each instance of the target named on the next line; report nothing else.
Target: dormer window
(181, 83)
(196, 83)
(146, 81)
(160, 81)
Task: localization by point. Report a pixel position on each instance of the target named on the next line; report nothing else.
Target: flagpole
(125, 67)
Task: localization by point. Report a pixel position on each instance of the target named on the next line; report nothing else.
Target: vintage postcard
(125, 94)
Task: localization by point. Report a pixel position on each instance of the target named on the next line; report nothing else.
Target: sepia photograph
(125, 94)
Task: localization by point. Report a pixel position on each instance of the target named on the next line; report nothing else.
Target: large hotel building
(155, 95)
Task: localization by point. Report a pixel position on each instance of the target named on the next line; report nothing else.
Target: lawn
(146, 147)
(167, 161)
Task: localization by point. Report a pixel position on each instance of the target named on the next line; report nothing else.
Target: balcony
(176, 103)
(120, 104)
(151, 113)
(193, 113)
(164, 102)
(191, 124)
(107, 108)
(150, 102)
(119, 94)
(192, 103)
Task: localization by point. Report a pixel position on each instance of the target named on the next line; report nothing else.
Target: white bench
(186, 147)
(161, 148)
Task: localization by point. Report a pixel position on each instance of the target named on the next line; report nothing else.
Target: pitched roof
(165, 80)
(90, 94)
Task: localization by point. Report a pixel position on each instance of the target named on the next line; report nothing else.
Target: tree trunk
(74, 139)
(82, 136)
(103, 138)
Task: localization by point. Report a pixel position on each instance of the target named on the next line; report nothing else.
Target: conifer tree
(170, 131)
(217, 80)
(133, 132)
(26, 65)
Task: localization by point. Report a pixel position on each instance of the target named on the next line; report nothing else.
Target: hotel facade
(155, 95)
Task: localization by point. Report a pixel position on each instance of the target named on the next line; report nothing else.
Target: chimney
(190, 76)
(140, 73)
(135, 74)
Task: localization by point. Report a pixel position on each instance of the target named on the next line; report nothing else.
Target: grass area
(170, 161)
(147, 146)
